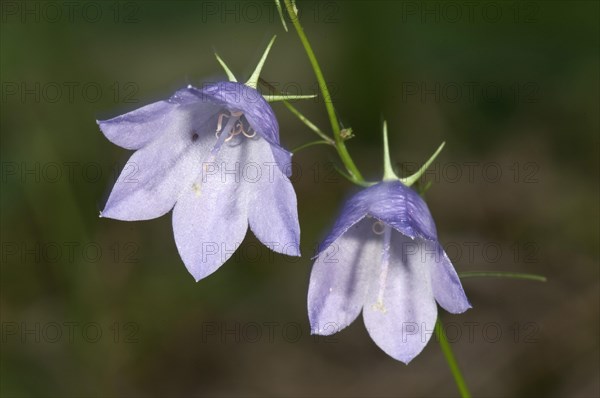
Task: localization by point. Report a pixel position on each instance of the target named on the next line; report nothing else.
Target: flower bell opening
(241, 126)
(229, 125)
(235, 125)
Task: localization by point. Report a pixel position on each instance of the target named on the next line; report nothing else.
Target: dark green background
(544, 219)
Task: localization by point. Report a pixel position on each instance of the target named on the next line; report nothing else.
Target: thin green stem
(347, 176)
(451, 360)
(512, 275)
(309, 144)
(308, 123)
(335, 125)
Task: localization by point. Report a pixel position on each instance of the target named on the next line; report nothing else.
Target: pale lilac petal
(210, 219)
(179, 162)
(283, 159)
(447, 288)
(352, 212)
(341, 277)
(157, 174)
(136, 129)
(273, 213)
(401, 323)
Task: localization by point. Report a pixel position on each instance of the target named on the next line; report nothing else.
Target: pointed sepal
(228, 71)
(388, 171)
(280, 11)
(408, 181)
(277, 98)
(253, 81)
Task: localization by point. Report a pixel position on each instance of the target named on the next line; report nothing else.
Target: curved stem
(452, 364)
(335, 125)
(308, 123)
(348, 177)
(309, 144)
(512, 275)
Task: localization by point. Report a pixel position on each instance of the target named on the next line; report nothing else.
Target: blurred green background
(97, 307)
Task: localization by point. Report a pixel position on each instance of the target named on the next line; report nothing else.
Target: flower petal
(340, 279)
(157, 174)
(237, 96)
(400, 313)
(273, 213)
(391, 202)
(352, 212)
(210, 219)
(447, 288)
(258, 112)
(402, 208)
(138, 128)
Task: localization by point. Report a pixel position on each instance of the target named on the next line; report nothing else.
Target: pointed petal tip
(314, 331)
(405, 358)
(464, 309)
(198, 275)
(292, 250)
(328, 330)
(107, 213)
(456, 307)
(405, 361)
(295, 252)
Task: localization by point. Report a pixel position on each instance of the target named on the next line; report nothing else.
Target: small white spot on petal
(189, 86)
(378, 306)
(196, 189)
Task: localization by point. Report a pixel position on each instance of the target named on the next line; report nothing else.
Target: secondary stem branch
(335, 125)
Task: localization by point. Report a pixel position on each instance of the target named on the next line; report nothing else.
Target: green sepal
(388, 171)
(280, 11)
(253, 81)
(228, 71)
(276, 98)
(408, 181)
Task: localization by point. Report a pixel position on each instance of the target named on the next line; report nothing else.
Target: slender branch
(308, 123)
(347, 176)
(513, 275)
(451, 360)
(335, 125)
(309, 144)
